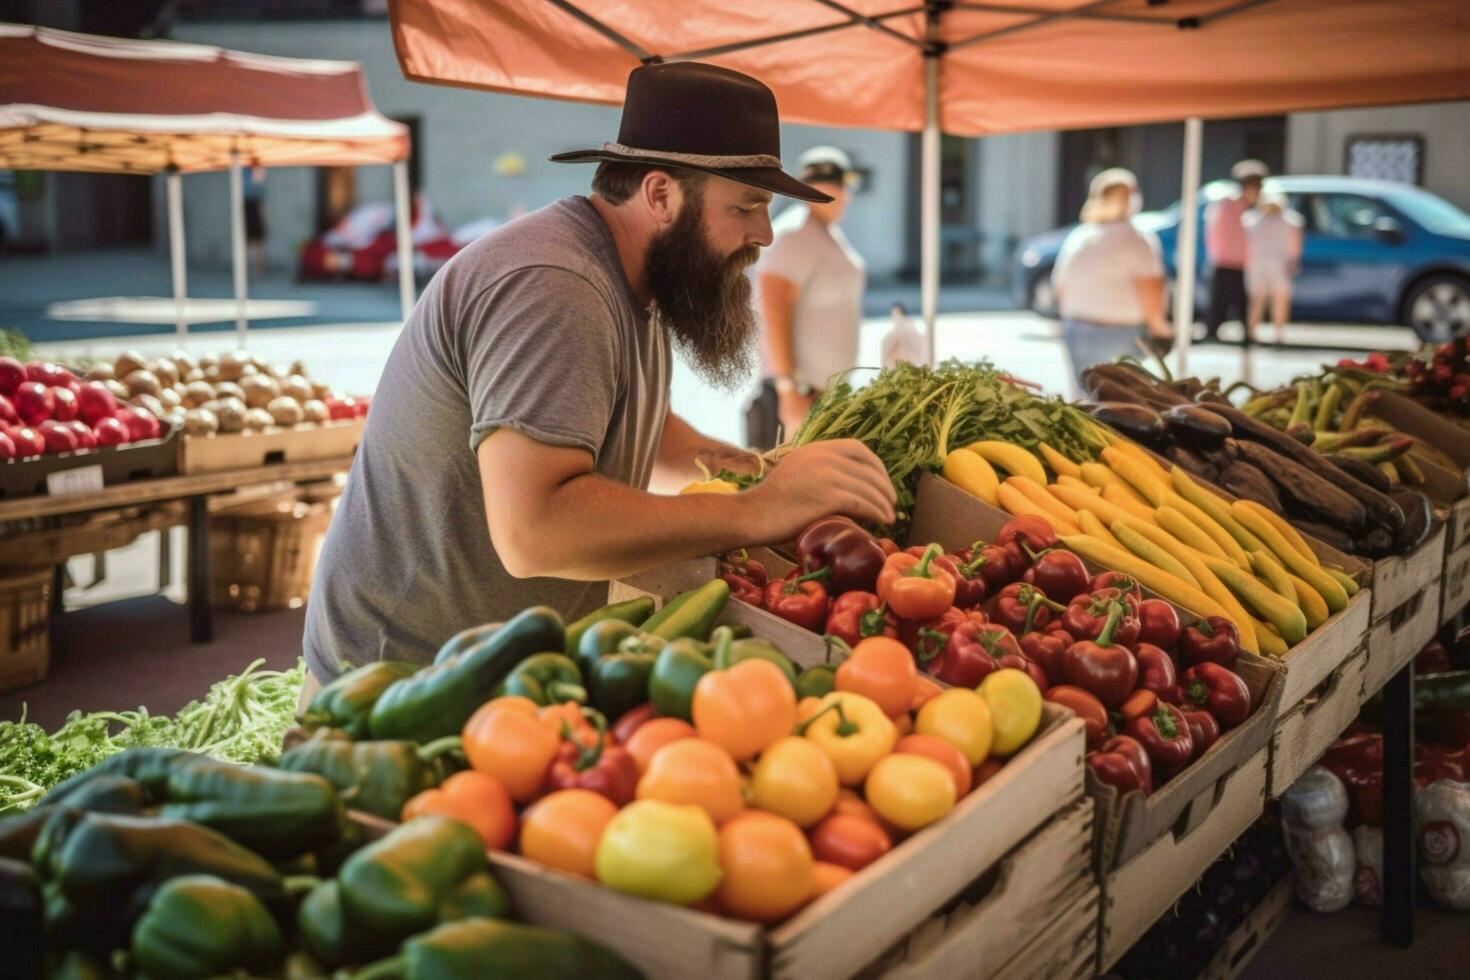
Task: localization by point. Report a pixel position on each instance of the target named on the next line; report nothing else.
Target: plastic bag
(1443, 811)
(1312, 812)
(1368, 881)
(1317, 800)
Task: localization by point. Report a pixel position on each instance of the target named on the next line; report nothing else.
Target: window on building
(1397, 158)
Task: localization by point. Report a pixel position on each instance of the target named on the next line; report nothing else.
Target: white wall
(1018, 190)
(1316, 142)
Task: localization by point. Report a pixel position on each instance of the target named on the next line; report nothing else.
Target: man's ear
(662, 196)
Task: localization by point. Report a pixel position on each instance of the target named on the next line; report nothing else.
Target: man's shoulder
(557, 240)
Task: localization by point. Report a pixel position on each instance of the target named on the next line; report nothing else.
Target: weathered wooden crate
(1305, 732)
(1137, 893)
(1242, 945)
(1067, 950)
(1454, 593)
(87, 535)
(848, 927)
(1398, 579)
(288, 444)
(1395, 641)
(1027, 917)
(25, 628)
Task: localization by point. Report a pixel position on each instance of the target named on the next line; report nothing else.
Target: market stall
(104, 105)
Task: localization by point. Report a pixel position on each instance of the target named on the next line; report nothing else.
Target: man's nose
(762, 235)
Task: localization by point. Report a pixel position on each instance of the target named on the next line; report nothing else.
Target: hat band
(697, 159)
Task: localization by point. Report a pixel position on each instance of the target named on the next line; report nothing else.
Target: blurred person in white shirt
(1273, 236)
(1109, 278)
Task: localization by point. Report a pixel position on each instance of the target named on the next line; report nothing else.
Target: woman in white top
(1273, 252)
(1109, 277)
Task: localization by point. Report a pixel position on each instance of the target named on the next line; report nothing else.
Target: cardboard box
(1395, 641)
(277, 444)
(1305, 732)
(1042, 895)
(850, 926)
(1142, 889)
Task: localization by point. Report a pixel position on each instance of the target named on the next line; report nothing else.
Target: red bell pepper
(1203, 728)
(1165, 736)
(1136, 705)
(853, 554)
(1121, 581)
(1031, 533)
(801, 599)
(1086, 706)
(1158, 623)
(1022, 607)
(1213, 639)
(1433, 659)
(975, 650)
(1085, 615)
(993, 563)
(1365, 790)
(855, 616)
(1434, 762)
(916, 588)
(1047, 649)
(1103, 667)
(1220, 691)
(600, 767)
(1156, 672)
(746, 577)
(630, 722)
(927, 638)
(1123, 763)
(889, 546)
(1060, 574)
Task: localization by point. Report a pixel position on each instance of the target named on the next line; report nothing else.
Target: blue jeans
(1090, 343)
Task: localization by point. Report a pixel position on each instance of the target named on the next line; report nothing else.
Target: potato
(184, 361)
(258, 418)
(128, 362)
(167, 371)
(229, 366)
(210, 374)
(286, 410)
(228, 389)
(118, 389)
(150, 402)
(259, 390)
(231, 414)
(200, 422)
(197, 393)
(142, 382)
(171, 398)
(315, 410)
(321, 391)
(298, 388)
(246, 370)
(100, 372)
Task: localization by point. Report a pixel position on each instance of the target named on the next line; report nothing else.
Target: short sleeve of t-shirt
(1145, 255)
(540, 356)
(790, 258)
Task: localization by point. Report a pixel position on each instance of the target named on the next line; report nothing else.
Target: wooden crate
(1305, 732)
(1399, 579)
(245, 450)
(88, 535)
(1067, 950)
(1454, 593)
(263, 555)
(848, 927)
(1137, 893)
(1041, 895)
(25, 626)
(1242, 945)
(1395, 641)
(1457, 525)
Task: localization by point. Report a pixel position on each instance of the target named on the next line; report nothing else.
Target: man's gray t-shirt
(534, 328)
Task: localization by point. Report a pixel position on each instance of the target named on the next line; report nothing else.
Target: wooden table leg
(1400, 873)
(201, 621)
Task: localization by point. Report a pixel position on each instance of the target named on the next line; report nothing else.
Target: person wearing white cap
(1109, 278)
(1226, 247)
(1273, 238)
(810, 282)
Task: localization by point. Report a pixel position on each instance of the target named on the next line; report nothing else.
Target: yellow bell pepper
(1015, 709)
(961, 717)
(666, 851)
(711, 486)
(853, 731)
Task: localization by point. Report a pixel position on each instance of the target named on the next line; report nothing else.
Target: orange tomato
(851, 802)
(653, 735)
(511, 744)
(903, 724)
(853, 842)
(826, 877)
(807, 707)
(471, 797)
(569, 714)
(697, 771)
(943, 753)
(926, 689)
(745, 708)
(768, 867)
(561, 830)
(881, 669)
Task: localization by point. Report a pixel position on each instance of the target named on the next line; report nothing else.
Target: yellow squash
(1285, 616)
(972, 474)
(1317, 577)
(1282, 528)
(1149, 576)
(1127, 533)
(1060, 465)
(1314, 607)
(1013, 459)
(1037, 494)
(1149, 486)
(1098, 475)
(1016, 503)
(1122, 495)
(1090, 524)
(1204, 502)
(1172, 519)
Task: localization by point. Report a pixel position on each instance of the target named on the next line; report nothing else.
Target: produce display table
(195, 489)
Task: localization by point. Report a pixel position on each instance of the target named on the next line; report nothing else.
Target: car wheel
(1041, 298)
(1438, 307)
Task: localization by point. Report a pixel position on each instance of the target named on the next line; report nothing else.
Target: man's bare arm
(682, 445)
(549, 514)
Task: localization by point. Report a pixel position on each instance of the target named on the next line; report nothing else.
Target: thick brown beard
(702, 299)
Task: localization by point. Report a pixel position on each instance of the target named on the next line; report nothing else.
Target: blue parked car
(1373, 252)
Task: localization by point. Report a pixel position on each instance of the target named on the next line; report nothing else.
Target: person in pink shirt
(1225, 245)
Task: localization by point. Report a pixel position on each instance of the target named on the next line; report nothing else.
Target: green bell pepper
(633, 611)
(347, 702)
(150, 766)
(546, 678)
(486, 948)
(729, 654)
(274, 813)
(817, 681)
(439, 700)
(617, 658)
(199, 926)
(427, 871)
(677, 670)
(18, 833)
(464, 639)
(22, 920)
(375, 777)
(78, 965)
(690, 614)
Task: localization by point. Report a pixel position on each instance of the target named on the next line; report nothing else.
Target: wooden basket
(263, 555)
(25, 626)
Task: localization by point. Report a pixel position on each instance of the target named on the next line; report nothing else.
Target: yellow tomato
(910, 791)
(796, 779)
(1015, 709)
(961, 717)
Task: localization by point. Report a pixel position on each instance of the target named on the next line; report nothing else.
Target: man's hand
(819, 480)
(792, 406)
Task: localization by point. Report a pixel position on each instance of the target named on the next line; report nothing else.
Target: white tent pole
(1184, 267)
(405, 237)
(237, 242)
(174, 184)
(929, 206)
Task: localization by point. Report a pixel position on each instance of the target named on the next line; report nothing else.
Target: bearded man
(524, 409)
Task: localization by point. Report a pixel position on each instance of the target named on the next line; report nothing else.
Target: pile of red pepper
(1357, 759)
(1153, 694)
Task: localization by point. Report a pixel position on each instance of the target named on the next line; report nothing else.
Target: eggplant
(1192, 462)
(1363, 472)
(1304, 489)
(1376, 542)
(1327, 535)
(1248, 482)
(1211, 395)
(1418, 518)
(1105, 390)
(1195, 427)
(1134, 421)
(1141, 381)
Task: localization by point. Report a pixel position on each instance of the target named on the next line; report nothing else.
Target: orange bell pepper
(512, 744)
(745, 708)
(882, 670)
(916, 588)
(471, 797)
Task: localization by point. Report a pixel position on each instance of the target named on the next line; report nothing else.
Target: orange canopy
(80, 102)
(1003, 67)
